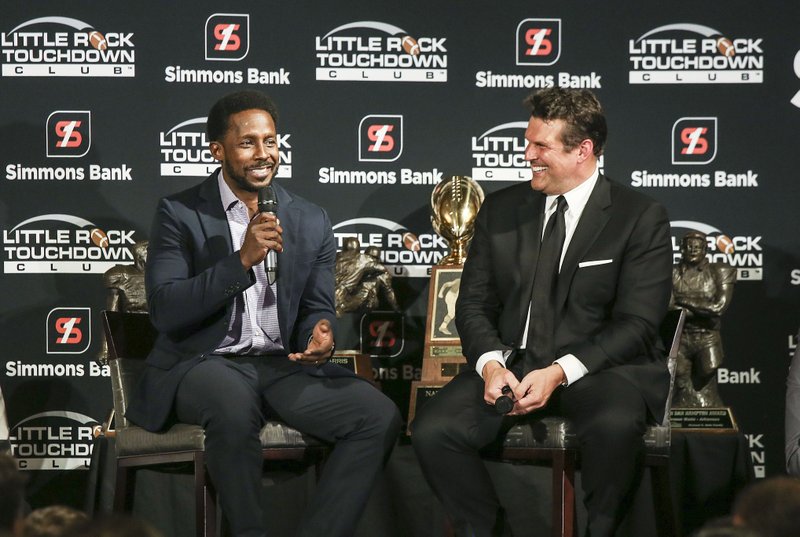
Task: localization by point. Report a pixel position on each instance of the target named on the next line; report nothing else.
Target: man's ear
(585, 150)
(217, 151)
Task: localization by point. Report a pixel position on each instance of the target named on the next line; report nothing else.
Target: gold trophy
(454, 207)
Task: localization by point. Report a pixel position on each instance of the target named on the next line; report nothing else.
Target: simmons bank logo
(227, 37)
(687, 53)
(538, 41)
(743, 252)
(538, 44)
(69, 133)
(62, 46)
(53, 440)
(62, 243)
(185, 153)
(380, 138)
(370, 51)
(402, 252)
(69, 330)
(694, 142)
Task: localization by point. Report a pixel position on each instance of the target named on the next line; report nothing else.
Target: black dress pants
(229, 398)
(609, 415)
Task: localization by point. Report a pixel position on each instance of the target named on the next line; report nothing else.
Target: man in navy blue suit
(583, 344)
(235, 347)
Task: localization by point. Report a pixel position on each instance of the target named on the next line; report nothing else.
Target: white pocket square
(594, 263)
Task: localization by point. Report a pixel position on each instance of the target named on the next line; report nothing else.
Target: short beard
(240, 181)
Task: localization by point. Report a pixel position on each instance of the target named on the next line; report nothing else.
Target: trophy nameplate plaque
(421, 393)
(358, 363)
(719, 419)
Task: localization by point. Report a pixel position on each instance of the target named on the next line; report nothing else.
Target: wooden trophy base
(442, 359)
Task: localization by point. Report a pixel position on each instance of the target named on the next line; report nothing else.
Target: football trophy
(454, 207)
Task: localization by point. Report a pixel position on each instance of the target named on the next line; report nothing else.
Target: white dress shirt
(576, 202)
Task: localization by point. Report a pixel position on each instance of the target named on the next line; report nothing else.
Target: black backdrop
(711, 136)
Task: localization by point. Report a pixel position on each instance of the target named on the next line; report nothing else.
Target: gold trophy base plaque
(710, 419)
(442, 369)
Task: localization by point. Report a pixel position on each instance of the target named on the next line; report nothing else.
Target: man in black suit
(582, 345)
(234, 347)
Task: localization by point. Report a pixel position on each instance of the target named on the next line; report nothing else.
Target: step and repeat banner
(104, 108)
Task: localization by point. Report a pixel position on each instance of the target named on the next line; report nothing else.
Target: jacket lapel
(291, 222)
(530, 218)
(213, 221)
(593, 220)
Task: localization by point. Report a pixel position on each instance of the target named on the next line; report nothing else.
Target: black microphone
(268, 203)
(504, 403)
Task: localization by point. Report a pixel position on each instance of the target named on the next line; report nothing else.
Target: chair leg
(204, 502)
(123, 489)
(563, 511)
(667, 524)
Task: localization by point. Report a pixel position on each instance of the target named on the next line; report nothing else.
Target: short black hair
(233, 103)
(579, 109)
(12, 485)
(770, 506)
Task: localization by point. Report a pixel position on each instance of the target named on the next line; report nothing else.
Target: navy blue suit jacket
(193, 275)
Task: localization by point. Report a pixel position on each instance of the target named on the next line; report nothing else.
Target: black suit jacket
(193, 275)
(613, 287)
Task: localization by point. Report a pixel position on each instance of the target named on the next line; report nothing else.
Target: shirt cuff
(497, 356)
(573, 368)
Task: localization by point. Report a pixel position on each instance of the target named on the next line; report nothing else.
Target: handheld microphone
(504, 403)
(268, 203)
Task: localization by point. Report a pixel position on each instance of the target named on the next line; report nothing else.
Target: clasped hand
(529, 394)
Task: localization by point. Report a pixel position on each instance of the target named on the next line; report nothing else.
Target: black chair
(130, 337)
(551, 441)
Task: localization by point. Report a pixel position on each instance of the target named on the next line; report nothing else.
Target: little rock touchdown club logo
(62, 243)
(371, 51)
(686, 53)
(742, 252)
(403, 253)
(53, 440)
(185, 153)
(63, 46)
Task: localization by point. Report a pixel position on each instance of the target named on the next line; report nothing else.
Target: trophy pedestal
(709, 419)
(442, 359)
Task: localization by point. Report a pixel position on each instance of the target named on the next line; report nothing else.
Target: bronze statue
(704, 290)
(361, 279)
(125, 288)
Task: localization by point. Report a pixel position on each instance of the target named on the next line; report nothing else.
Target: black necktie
(539, 345)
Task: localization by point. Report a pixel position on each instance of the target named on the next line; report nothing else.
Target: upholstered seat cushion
(134, 440)
(557, 432)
